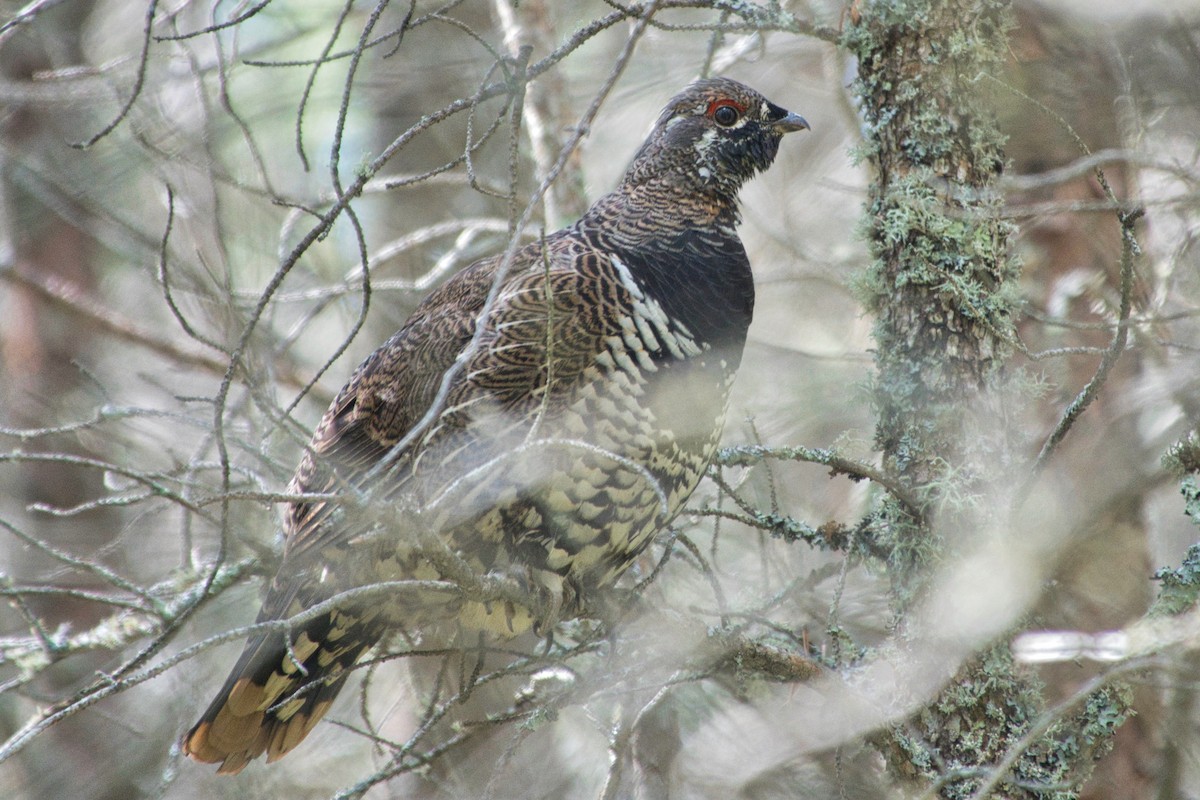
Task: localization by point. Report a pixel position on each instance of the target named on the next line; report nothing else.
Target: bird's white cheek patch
(702, 145)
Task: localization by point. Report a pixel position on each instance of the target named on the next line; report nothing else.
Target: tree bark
(943, 290)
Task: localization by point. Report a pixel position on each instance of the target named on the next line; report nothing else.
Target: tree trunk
(943, 289)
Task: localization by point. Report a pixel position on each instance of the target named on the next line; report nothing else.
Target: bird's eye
(725, 115)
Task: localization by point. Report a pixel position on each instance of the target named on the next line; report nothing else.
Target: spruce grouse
(539, 419)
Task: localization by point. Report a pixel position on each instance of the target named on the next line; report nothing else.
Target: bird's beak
(790, 122)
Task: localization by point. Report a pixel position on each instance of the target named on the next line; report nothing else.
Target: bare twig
(748, 455)
(25, 16)
(1129, 251)
(67, 297)
(135, 93)
(1088, 164)
(232, 22)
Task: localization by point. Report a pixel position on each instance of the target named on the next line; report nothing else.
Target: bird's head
(713, 137)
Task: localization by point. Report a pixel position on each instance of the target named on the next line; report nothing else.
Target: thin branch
(321, 61)
(143, 63)
(1129, 251)
(748, 455)
(25, 16)
(99, 570)
(67, 297)
(1088, 164)
(219, 26)
(163, 277)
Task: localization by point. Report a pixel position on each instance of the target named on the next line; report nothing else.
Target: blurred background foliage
(187, 185)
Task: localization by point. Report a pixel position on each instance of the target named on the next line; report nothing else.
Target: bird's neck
(674, 200)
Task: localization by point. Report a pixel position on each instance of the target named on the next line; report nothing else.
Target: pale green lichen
(943, 287)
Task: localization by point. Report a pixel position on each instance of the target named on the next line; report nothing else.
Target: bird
(539, 417)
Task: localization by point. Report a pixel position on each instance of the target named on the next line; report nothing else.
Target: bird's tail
(276, 694)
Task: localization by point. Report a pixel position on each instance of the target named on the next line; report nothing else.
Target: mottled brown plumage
(546, 437)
